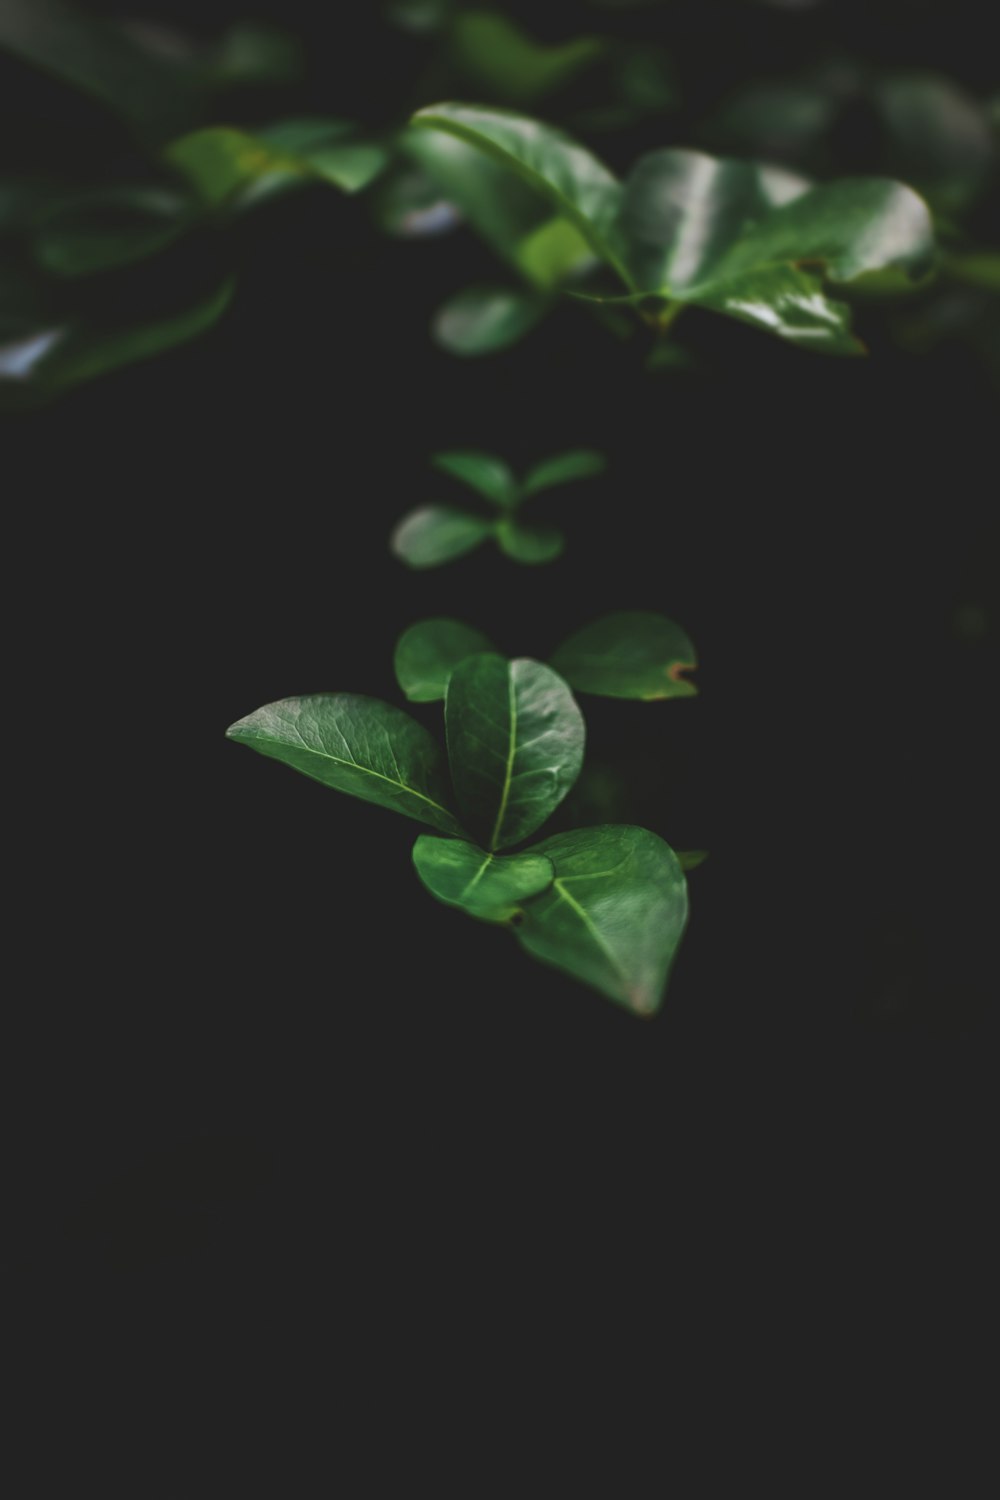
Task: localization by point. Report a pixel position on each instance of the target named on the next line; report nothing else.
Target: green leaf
(429, 651)
(357, 745)
(103, 230)
(488, 886)
(53, 359)
(690, 859)
(579, 463)
(502, 60)
(100, 59)
(552, 254)
(483, 319)
(436, 534)
(939, 137)
(515, 745)
(614, 915)
(528, 542)
(756, 242)
(634, 654)
(324, 147)
(225, 166)
(580, 187)
(488, 475)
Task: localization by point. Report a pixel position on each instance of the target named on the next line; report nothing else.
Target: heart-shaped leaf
(529, 543)
(436, 534)
(580, 187)
(428, 653)
(357, 745)
(633, 654)
(483, 319)
(488, 475)
(515, 745)
(579, 463)
(614, 914)
(490, 886)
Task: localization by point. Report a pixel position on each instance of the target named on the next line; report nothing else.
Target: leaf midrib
(511, 752)
(365, 771)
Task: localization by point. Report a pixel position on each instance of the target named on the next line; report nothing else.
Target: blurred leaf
(437, 534)
(690, 859)
(579, 186)
(504, 63)
(107, 228)
(408, 203)
(488, 475)
(974, 268)
(634, 654)
(226, 166)
(429, 651)
(483, 319)
(419, 16)
(563, 468)
(55, 358)
(614, 915)
(939, 137)
(99, 59)
(253, 52)
(529, 542)
(552, 253)
(515, 745)
(489, 886)
(356, 745)
(489, 197)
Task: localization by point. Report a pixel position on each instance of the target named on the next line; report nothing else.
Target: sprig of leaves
(435, 534)
(751, 241)
(607, 905)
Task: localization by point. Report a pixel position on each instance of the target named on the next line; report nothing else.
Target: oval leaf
(614, 915)
(357, 745)
(634, 654)
(483, 319)
(104, 230)
(490, 886)
(436, 534)
(428, 653)
(488, 475)
(580, 463)
(515, 744)
(580, 186)
(528, 543)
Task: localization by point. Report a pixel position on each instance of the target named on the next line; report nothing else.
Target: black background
(281, 1109)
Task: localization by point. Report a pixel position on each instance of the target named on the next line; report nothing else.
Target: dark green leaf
(483, 319)
(436, 534)
(526, 542)
(690, 859)
(503, 61)
(357, 745)
(580, 463)
(428, 653)
(515, 745)
(489, 886)
(614, 915)
(483, 472)
(635, 654)
(55, 358)
(225, 166)
(939, 137)
(579, 186)
(106, 229)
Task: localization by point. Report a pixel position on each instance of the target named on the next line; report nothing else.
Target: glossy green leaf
(634, 654)
(55, 358)
(488, 886)
(429, 651)
(528, 542)
(488, 475)
(580, 187)
(103, 230)
(356, 745)
(515, 745)
(484, 319)
(614, 914)
(436, 534)
(579, 463)
(503, 61)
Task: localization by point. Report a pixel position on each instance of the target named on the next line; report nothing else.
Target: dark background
(277, 1108)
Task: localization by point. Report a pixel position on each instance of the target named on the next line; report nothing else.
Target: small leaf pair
(746, 239)
(435, 534)
(632, 654)
(608, 905)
